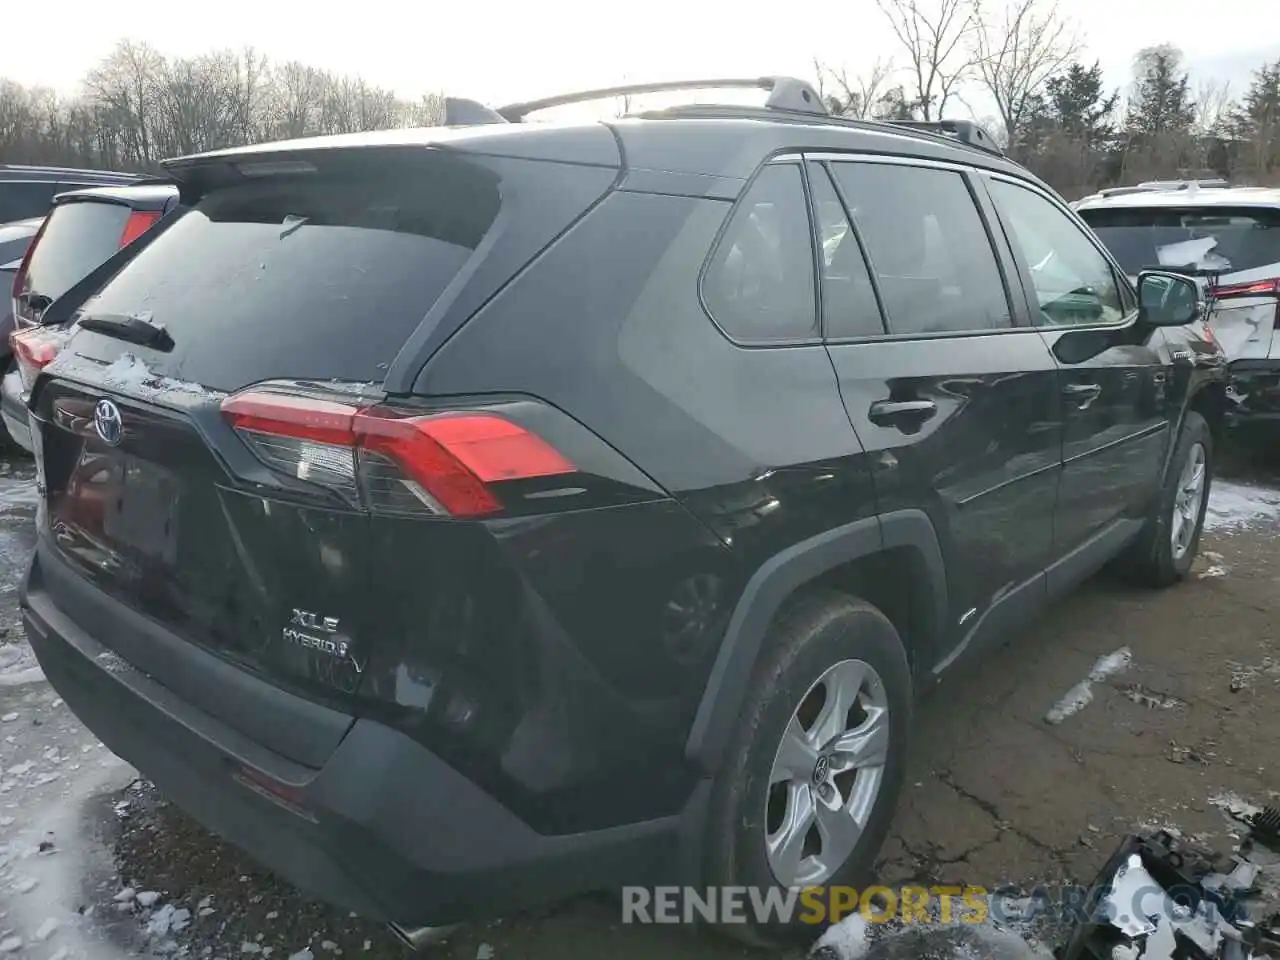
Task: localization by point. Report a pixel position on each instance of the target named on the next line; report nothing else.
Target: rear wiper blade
(134, 329)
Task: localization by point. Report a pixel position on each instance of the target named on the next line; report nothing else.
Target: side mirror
(1168, 299)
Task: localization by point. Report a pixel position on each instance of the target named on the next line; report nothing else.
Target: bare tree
(934, 34)
(857, 96)
(1016, 51)
(1213, 106)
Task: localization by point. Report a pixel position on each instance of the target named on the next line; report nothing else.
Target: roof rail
(966, 131)
(785, 93)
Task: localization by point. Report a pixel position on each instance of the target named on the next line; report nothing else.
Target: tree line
(1053, 110)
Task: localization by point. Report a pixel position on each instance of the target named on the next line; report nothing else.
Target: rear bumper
(1253, 392)
(384, 827)
(13, 411)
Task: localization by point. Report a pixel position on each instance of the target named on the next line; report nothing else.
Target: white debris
(125, 895)
(303, 954)
(206, 911)
(10, 944)
(147, 897)
(367, 945)
(25, 885)
(205, 901)
(9, 718)
(1235, 805)
(1233, 507)
(1215, 570)
(847, 940)
(1127, 903)
(45, 930)
(272, 914)
(484, 952)
(1081, 695)
(249, 947)
(21, 768)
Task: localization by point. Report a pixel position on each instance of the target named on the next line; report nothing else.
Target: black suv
(461, 519)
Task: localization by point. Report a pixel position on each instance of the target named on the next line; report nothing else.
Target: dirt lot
(995, 794)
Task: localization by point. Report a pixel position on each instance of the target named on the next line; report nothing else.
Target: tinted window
(21, 199)
(80, 236)
(312, 277)
(849, 305)
(759, 284)
(1216, 238)
(1073, 281)
(928, 247)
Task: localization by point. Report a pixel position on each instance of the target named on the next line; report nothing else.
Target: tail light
(139, 222)
(392, 461)
(33, 350)
(1254, 288)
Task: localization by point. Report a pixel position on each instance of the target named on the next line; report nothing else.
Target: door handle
(1086, 393)
(887, 412)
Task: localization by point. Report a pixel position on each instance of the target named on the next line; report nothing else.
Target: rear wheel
(1169, 543)
(809, 784)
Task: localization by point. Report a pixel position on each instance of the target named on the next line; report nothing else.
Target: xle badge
(316, 632)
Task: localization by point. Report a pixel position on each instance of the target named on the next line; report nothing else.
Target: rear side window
(20, 199)
(849, 305)
(321, 276)
(1222, 239)
(928, 247)
(759, 284)
(80, 236)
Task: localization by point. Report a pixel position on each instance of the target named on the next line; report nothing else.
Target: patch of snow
(45, 930)
(1075, 700)
(303, 954)
(25, 885)
(484, 952)
(248, 946)
(125, 895)
(9, 718)
(131, 375)
(1215, 570)
(168, 919)
(1081, 695)
(147, 897)
(10, 945)
(1233, 507)
(846, 940)
(60, 954)
(18, 666)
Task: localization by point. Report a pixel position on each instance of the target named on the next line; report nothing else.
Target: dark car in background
(81, 231)
(14, 239)
(27, 191)
(463, 519)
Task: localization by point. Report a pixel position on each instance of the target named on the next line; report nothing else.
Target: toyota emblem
(106, 421)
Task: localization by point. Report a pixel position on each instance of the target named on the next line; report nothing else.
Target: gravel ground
(995, 793)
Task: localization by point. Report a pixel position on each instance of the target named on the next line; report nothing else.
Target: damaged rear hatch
(198, 447)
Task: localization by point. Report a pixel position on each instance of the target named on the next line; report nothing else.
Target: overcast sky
(502, 50)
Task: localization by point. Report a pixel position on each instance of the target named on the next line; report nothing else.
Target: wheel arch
(816, 561)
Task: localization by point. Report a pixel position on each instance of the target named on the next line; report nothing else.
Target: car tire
(821, 642)
(1154, 560)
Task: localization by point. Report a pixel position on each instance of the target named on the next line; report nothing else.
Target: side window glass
(759, 285)
(849, 306)
(1074, 283)
(929, 249)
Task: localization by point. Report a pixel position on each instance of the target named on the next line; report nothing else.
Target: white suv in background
(1230, 236)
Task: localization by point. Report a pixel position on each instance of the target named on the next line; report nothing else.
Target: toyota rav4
(461, 519)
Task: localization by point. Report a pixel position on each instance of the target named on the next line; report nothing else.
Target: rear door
(1112, 376)
(952, 394)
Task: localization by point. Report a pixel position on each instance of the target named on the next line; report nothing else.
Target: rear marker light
(392, 461)
(139, 222)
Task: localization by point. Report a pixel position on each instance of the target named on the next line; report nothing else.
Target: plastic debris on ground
(1162, 899)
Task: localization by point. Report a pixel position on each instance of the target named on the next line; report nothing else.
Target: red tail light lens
(34, 349)
(139, 222)
(1255, 288)
(392, 461)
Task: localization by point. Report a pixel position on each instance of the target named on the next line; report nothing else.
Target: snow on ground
(1081, 695)
(1233, 507)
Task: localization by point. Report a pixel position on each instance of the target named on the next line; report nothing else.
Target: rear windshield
(1218, 239)
(81, 234)
(319, 276)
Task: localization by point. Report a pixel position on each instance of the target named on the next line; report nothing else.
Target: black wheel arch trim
(771, 585)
